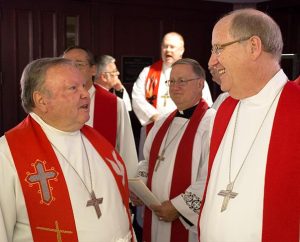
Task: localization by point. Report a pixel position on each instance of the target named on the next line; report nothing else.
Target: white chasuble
(187, 203)
(253, 127)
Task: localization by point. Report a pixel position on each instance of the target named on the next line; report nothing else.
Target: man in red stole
(108, 114)
(60, 179)
(176, 153)
(107, 76)
(253, 186)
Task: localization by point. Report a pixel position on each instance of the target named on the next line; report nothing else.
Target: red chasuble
(105, 114)
(43, 184)
(182, 168)
(281, 212)
(152, 82)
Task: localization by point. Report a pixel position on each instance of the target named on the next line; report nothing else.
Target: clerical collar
(187, 113)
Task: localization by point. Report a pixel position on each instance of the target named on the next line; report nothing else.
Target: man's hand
(165, 212)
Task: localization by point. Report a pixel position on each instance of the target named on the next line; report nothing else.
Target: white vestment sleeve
(206, 94)
(188, 203)
(126, 100)
(9, 187)
(143, 110)
(125, 144)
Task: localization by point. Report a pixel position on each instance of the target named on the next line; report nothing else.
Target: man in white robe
(124, 139)
(107, 76)
(253, 190)
(172, 48)
(182, 207)
(53, 94)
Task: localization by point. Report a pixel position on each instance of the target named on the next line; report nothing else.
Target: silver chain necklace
(228, 193)
(166, 145)
(94, 201)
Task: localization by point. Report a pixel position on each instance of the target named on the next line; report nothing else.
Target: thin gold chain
(69, 163)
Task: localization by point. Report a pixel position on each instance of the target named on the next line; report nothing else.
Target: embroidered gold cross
(56, 230)
(227, 194)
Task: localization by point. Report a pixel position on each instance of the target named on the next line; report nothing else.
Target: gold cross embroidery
(56, 230)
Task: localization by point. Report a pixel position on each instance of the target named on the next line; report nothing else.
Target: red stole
(51, 210)
(182, 168)
(282, 185)
(152, 82)
(105, 114)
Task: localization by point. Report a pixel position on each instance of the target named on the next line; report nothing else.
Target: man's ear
(40, 101)
(255, 46)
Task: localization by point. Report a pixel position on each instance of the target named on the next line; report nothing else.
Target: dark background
(132, 28)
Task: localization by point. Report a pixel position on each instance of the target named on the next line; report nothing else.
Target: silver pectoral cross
(165, 98)
(227, 194)
(159, 159)
(95, 202)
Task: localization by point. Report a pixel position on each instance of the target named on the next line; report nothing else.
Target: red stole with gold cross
(152, 83)
(182, 172)
(105, 114)
(43, 184)
(281, 211)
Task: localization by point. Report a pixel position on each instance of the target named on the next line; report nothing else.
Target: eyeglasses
(112, 73)
(217, 49)
(180, 82)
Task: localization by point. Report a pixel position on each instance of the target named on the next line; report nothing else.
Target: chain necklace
(166, 145)
(166, 95)
(94, 201)
(228, 193)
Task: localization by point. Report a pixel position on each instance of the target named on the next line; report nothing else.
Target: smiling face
(187, 94)
(64, 103)
(172, 48)
(230, 64)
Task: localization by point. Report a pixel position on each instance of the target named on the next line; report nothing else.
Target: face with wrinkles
(65, 101)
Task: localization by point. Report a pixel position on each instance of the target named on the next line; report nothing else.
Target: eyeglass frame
(112, 73)
(180, 82)
(218, 48)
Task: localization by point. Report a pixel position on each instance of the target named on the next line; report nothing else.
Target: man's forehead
(76, 55)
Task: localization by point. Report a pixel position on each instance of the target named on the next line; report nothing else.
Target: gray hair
(197, 68)
(179, 36)
(33, 79)
(250, 22)
(101, 63)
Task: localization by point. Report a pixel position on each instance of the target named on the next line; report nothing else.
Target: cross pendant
(165, 98)
(95, 202)
(159, 159)
(227, 194)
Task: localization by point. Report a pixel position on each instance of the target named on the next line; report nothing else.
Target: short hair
(101, 63)
(249, 22)
(175, 34)
(90, 55)
(33, 78)
(197, 68)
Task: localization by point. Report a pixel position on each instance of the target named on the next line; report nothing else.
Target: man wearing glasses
(107, 76)
(108, 114)
(253, 190)
(176, 153)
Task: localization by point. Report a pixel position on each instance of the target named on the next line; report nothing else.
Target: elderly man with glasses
(108, 114)
(253, 190)
(176, 153)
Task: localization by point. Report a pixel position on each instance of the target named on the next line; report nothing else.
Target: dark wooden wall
(34, 29)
